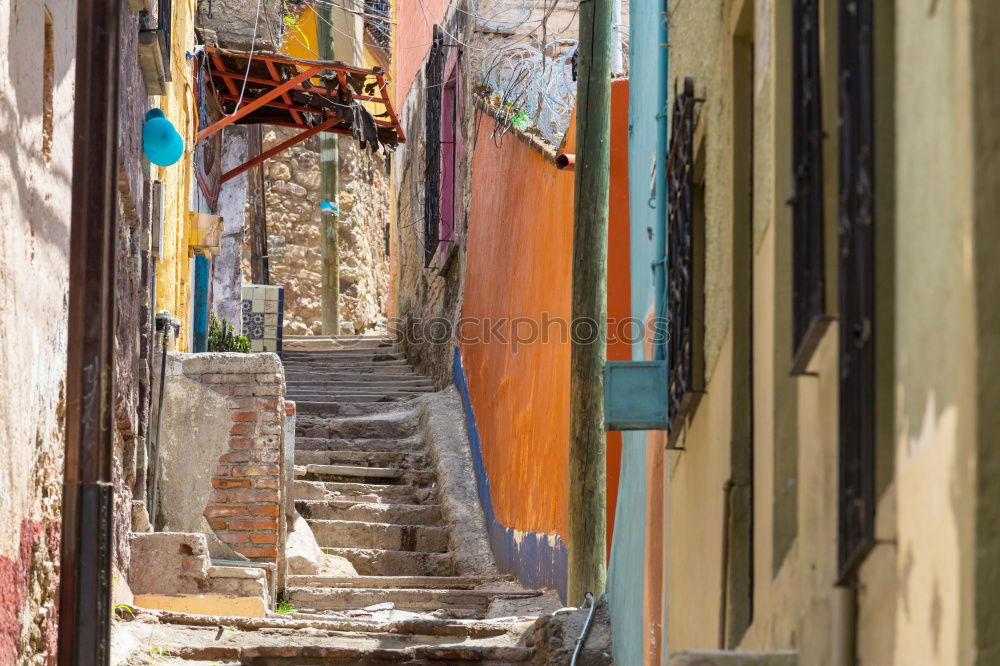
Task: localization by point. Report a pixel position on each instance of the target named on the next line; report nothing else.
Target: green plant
(121, 609)
(284, 607)
(223, 338)
(159, 654)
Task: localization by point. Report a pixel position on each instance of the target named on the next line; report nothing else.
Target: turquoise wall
(625, 571)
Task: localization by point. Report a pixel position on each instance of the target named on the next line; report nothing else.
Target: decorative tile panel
(263, 316)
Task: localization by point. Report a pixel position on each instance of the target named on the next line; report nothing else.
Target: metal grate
(378, 23)
(857, 294)
(808, 303)
(432, 177)
(680, 255)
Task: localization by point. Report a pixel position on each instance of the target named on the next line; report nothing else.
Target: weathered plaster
(227, 273)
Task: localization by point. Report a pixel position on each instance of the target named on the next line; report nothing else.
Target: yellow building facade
(173, 269)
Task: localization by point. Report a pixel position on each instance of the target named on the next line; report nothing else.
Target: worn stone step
(308, 369)
(410, 599)
(396, 424)
(361, 492)
(413, 445)
(399, 460)
(356, 473)
(310, 343)
(346, 352)
(340, 380)
(380, 536)
(341, 410)
(332, 393)
(374, 562)
(399, 514)
(310, 651)
(396, 582)
(321, 406)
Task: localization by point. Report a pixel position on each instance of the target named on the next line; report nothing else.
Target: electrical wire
(246, 75)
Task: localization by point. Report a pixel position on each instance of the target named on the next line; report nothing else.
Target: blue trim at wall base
(535, 559)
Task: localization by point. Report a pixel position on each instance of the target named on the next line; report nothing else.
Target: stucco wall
(227, 272)
(520, 392)
(173, 270)
(34, 271)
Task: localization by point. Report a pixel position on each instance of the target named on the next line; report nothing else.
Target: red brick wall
(245, 505)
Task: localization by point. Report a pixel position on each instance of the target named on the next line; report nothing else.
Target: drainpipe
(88, 492)
(660, 194)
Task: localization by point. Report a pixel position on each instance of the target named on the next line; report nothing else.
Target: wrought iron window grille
(434, 71)
(684, 263)
(809, 312)
(856, 487)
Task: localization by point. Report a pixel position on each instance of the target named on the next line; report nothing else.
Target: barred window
(808, 283)
(856, 521)
(685, 270)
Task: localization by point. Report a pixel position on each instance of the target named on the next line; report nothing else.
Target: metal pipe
(586, 627)
(88, 493)
(660, 195)
(566, 162)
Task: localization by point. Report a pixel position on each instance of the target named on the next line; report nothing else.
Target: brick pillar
(246, 504)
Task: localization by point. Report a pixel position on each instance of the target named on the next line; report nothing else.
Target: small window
(443, 153)
(48, 88)
(685, 263)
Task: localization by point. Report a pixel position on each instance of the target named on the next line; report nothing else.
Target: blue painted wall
(537, 560)
(625, 571)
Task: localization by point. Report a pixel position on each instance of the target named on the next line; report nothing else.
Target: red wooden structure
(312, 95)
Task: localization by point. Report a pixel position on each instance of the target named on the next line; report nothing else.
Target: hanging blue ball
(161, 143)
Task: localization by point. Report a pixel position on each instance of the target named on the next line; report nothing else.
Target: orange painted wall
(519, 265)
(413, 33)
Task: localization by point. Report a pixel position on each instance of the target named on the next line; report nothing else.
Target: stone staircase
(365, 485)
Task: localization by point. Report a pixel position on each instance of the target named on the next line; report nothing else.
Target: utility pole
(329, 179)
(587, 474)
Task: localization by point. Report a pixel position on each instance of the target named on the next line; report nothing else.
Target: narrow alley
(543, 332)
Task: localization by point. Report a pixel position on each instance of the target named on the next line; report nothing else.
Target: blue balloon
(161, 143)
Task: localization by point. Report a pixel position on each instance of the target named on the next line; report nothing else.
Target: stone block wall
(294, 226)
(222, 456)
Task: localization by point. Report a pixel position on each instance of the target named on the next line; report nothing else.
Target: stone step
(310, 369)
(324, 393)
(353, 653)
(323, 405)
(356, 473)
(399, 514)
(422, 599)
(410, 445)
(398, 424)
(374, 562)
(386, 353)
(380, 536)
(396, 582)
(306, 344)
(359, 492)
(341, 379)
(341, 410)
(361, 458)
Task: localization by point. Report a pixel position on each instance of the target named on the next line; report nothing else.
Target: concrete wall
(174, 268)
(227, 272)
(220, 453)
(35, 173)
(519, 391)
(924, 593)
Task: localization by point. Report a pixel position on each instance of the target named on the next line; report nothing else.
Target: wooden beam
(229, 77)
(285, 96)
(302, 136)
(285, 60)
(388, 107)
(258, 102)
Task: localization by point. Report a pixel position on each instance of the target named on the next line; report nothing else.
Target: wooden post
(329, 175)
(587, 474)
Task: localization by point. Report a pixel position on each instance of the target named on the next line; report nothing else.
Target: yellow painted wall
(173, 271)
